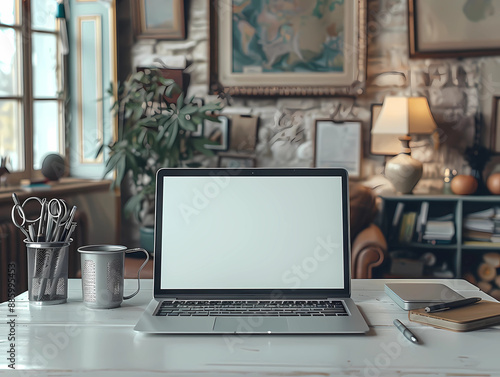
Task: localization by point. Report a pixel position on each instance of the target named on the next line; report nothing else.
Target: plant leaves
(199, 145)
(133, 205)
(188, 110)
(100, 149)
(165, 128)
(186, 124)
(172, 135)
(180, 101)
(211, 107)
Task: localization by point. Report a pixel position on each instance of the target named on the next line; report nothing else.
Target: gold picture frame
(318, 51)
(159, 19)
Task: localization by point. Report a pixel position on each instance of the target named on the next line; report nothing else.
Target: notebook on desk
(252, 251)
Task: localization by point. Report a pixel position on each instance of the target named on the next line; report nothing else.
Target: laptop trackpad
(250, 325)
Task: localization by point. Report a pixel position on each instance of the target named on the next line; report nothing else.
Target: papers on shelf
(439, 230)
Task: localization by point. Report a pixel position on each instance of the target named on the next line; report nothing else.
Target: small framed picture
(218, 132)
(236, 161)
(197, 101)
(243, 136)
(445, 29)
(159, 19)
(338, 144)
(495, 126)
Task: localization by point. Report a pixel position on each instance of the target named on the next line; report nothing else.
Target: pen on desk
(452, 304)
(406, 332)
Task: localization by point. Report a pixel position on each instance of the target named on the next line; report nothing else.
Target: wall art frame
(338, 144)
(451, 28)
(291, 62)
(217, 132)
(159, 19)
(495, 126)
(236, 161)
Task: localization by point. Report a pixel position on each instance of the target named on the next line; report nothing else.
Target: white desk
(69, 339)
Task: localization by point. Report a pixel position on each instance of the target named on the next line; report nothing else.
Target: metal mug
(103, 275)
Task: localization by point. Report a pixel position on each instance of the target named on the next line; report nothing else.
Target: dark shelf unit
(439, 205)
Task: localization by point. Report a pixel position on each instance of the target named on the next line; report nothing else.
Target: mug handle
(138, 272)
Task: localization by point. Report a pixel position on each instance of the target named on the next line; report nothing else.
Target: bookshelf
(452, 256)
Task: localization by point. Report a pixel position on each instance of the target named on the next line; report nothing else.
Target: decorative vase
(403, 171)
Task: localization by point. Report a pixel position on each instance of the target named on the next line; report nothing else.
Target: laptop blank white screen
(252, 233)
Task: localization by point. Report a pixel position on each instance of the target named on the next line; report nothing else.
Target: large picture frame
(453, 28)
(495, 126)
(269, 49)
(159, 19)
(338, 144)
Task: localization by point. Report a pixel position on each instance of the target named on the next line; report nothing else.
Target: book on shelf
(439, 230)
(396, 219)
(477, 235)
(480, 315)
(481, 225)
(422, 220)
(407, 227)
(481, 243)
(490, 213)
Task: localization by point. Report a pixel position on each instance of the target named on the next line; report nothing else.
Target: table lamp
(399, 118)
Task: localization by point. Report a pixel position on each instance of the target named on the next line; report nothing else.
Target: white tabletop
(70, 339)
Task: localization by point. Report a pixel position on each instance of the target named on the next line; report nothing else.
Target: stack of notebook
(466, 318)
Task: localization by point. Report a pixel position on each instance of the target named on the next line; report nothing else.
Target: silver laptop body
(251, 236)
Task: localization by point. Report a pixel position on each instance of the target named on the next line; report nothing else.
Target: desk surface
(69, 339)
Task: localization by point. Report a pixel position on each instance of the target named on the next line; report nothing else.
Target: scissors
(21, 220)
(57, 215)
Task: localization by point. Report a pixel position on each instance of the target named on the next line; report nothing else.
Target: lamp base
(403, 171)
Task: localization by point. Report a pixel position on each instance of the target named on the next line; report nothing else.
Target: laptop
(254, 251)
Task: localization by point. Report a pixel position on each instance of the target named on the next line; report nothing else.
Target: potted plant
(153, 132)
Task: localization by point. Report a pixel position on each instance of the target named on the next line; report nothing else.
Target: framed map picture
(284, 48)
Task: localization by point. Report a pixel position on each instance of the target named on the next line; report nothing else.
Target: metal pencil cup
(103, 275)
(47, 272)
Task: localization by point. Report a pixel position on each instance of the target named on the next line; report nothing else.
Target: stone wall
(456, 89)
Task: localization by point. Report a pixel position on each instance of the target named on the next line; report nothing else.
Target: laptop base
(352, 324)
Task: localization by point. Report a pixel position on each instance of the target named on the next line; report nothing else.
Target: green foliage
(153, 132)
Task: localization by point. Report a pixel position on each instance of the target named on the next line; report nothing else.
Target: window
(31, 85)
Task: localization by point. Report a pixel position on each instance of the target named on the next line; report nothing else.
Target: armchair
(368, 244)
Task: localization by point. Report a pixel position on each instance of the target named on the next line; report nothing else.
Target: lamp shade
(400, 116)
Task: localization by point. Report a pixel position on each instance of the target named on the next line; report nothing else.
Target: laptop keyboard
(251, 308)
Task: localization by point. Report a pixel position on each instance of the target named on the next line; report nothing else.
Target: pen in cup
(405, 331)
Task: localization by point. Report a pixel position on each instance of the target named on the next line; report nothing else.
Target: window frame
(26, 99)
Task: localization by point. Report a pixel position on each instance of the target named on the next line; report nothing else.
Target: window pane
(45, 65)
(11, 133)
(8, 12)
(43, 14)
(46, 131)
(9, 63)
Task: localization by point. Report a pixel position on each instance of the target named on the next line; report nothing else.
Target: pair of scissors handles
(19, 208)
(58, 211)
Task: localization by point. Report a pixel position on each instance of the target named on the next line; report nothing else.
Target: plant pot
(147, 238)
